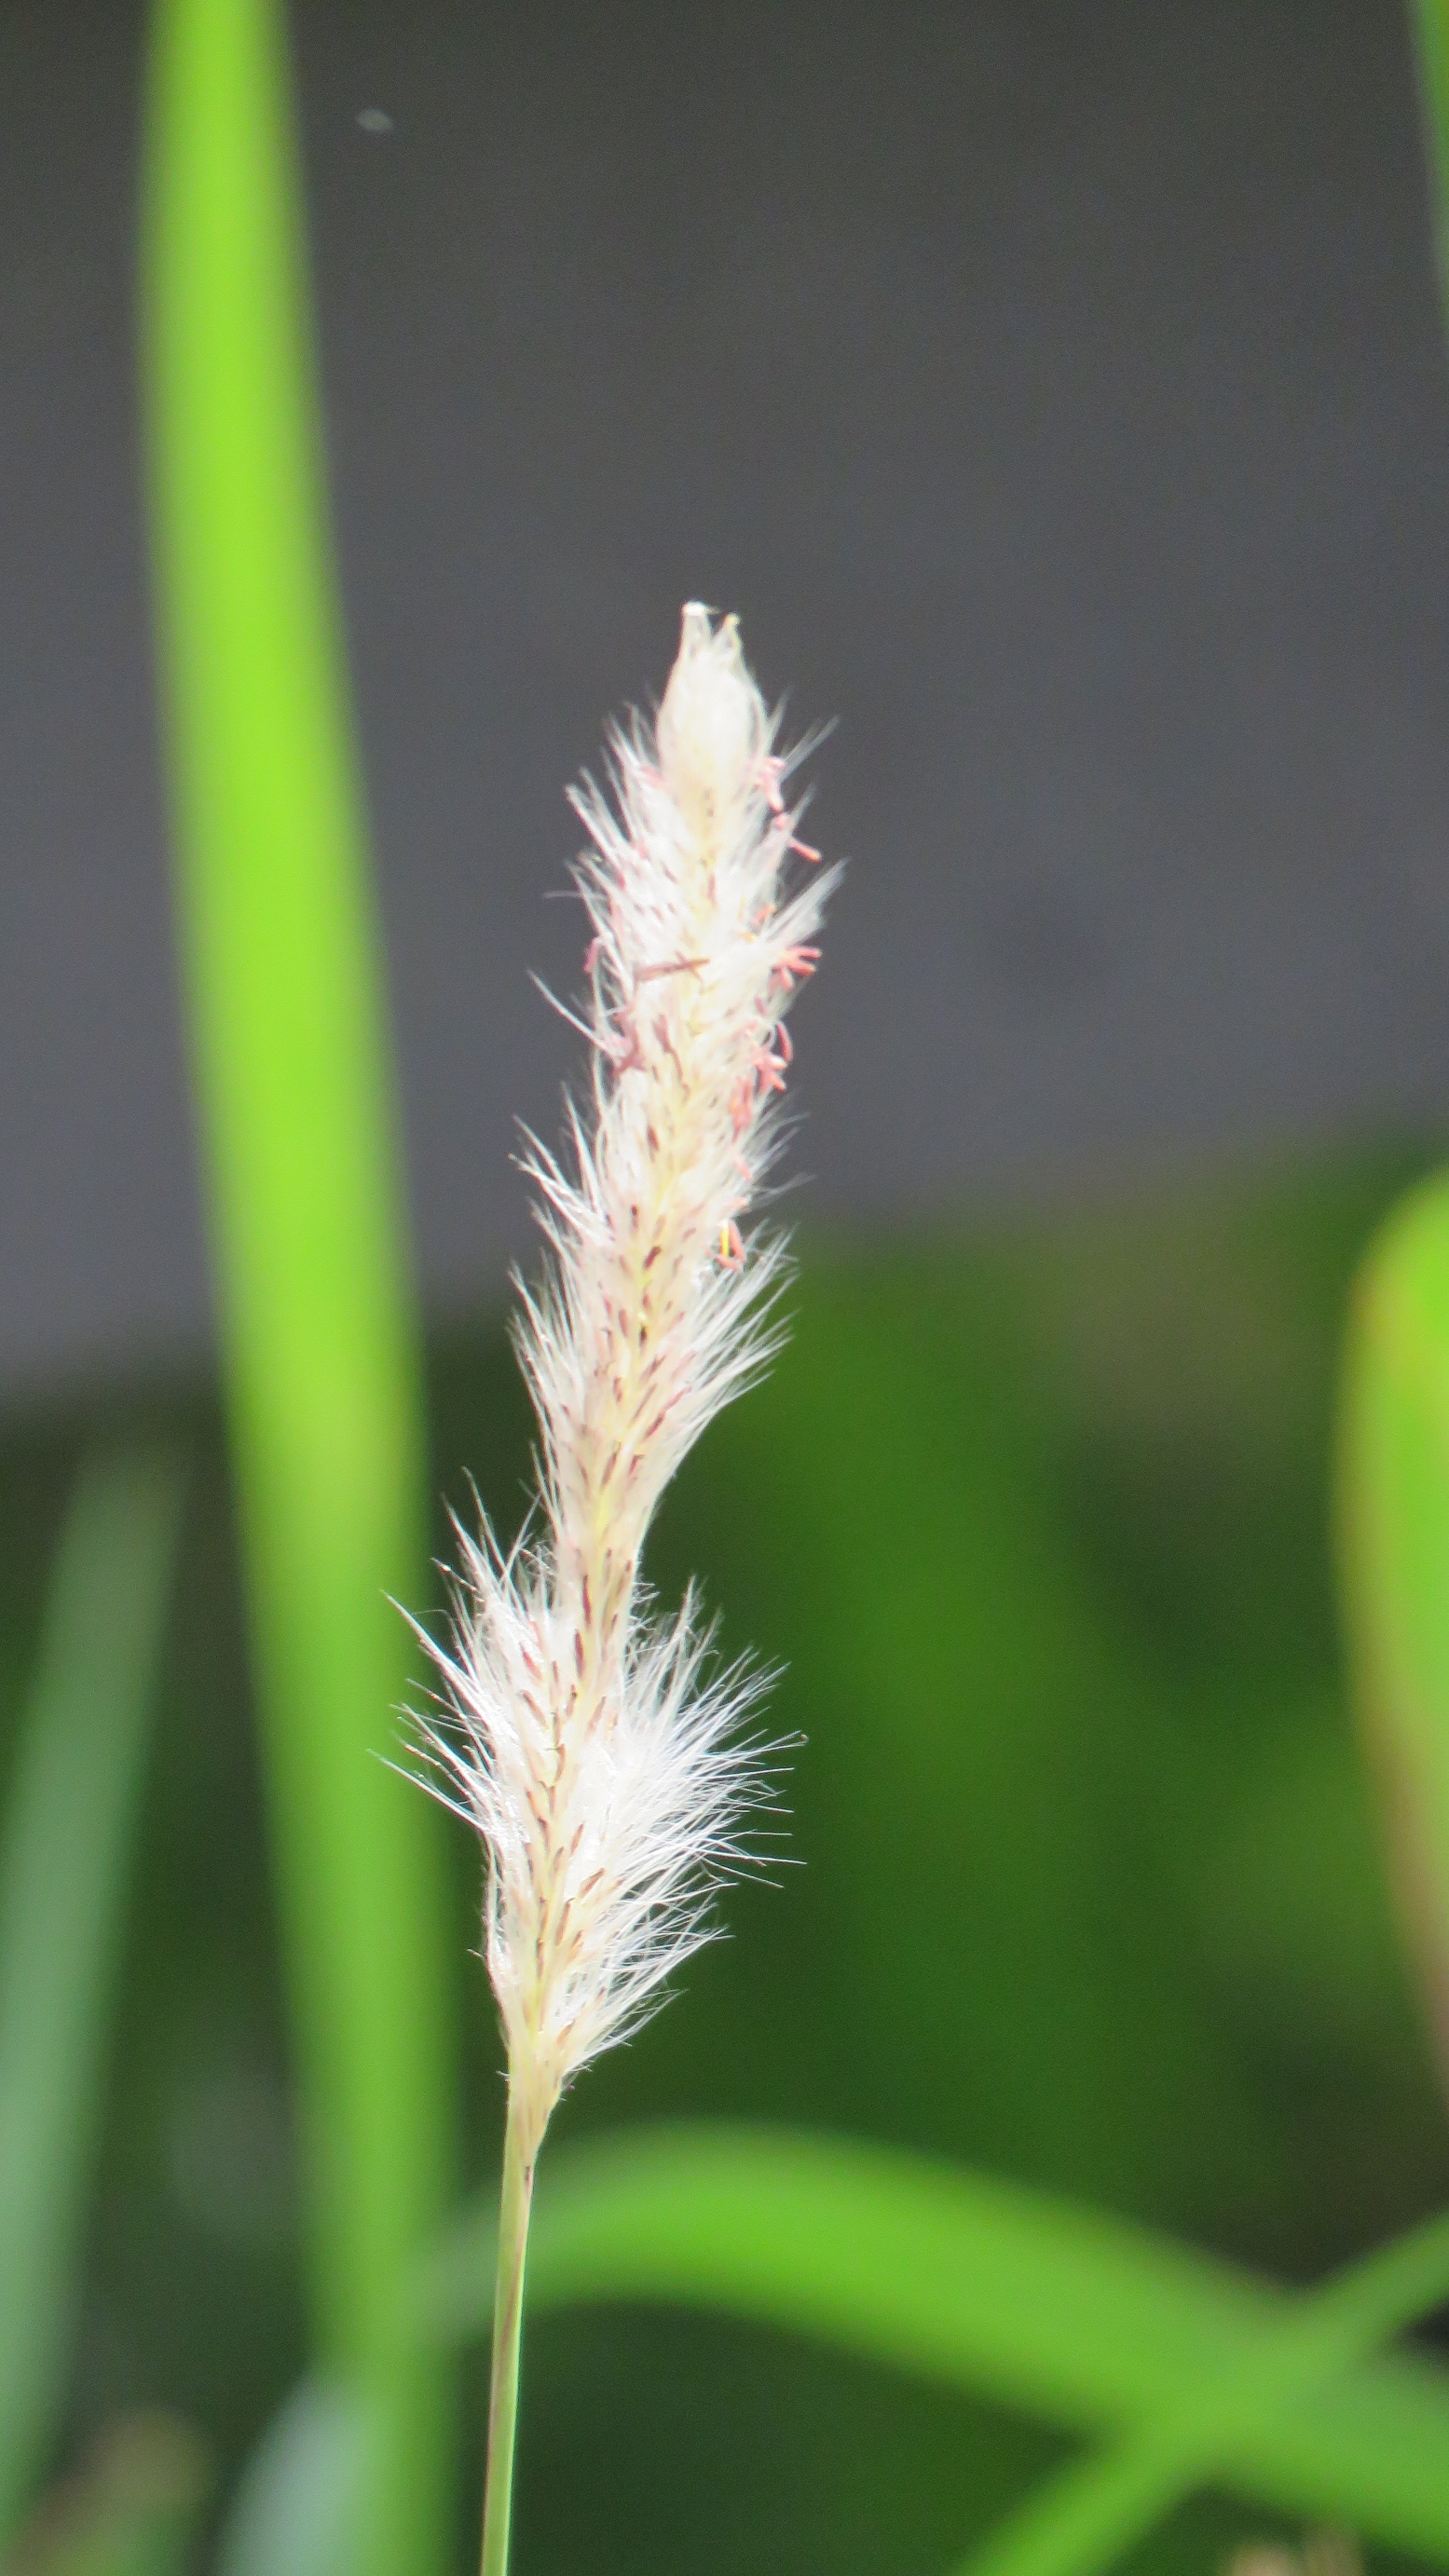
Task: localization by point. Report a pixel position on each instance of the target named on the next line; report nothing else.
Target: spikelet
(588, 1741)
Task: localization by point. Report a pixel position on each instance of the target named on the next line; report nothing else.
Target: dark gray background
(1056, 390)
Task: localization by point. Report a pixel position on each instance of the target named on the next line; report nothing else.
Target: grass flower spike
(587, 1740)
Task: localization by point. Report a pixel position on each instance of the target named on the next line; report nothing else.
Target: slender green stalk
(298, 1125)
(514, 2205)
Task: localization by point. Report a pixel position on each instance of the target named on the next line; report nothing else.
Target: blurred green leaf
(297, 2508)
(1092, 2513)
(65, 1853)
(299, 1125)
(1430, 22)
(1076, 2317)
(1037, 1525)
(1394, 1551)
(132, 2511)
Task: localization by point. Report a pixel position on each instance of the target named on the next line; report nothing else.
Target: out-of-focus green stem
(67, 1845)
(298, 1128)
(1393, 1526)
(515, 2203)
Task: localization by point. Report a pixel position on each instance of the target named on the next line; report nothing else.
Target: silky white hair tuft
(604, 1761)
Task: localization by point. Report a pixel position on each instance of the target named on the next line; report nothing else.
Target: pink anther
(795, 964)
(730, 1250)
(769, 1071)
(804, 849)
(771, 771)
(592, 952)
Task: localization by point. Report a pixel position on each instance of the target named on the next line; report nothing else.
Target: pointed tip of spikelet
(714, 726)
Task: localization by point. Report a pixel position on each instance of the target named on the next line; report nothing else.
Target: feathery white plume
(581, 1734)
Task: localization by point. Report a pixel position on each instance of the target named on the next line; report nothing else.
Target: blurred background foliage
(1038, 1525)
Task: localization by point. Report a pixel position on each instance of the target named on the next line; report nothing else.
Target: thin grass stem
(515, 2204)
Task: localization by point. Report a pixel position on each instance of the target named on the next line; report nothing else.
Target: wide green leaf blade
(1081, 2319)
(66, 1845)
(299, 2501)
(1093, 2513)
(284, 983)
